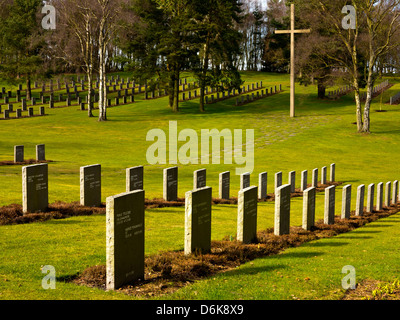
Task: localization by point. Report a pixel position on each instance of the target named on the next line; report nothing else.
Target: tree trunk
(28, 89)
(321, 90)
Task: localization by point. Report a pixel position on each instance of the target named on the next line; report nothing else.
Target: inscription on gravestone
(247, 215)
(90, 185)
(35, 193)
(125, 239)
(198, 221)
(134, 178)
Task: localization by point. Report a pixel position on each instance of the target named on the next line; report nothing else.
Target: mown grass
(321, 134)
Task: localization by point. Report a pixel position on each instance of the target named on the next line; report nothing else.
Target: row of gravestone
(340, 92)
(376, 90)
(250, 98)
(18, 112)
(394, 99)
(125, 212)
(19, 153)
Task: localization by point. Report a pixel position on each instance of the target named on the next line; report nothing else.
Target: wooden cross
(292, 32)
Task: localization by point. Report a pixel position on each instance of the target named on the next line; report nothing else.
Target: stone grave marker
(314, 180)
(244, 180)
(170, 184)
(247, 215)
(125, 239)
(333, 172)
(35, 193)
(379, 197)
(292, 181)
(90, 185)
(199, 179)
(134, 178)
(40, 152)
(387, 193)
(346, 202)
(329, 213)
(360, 200)
(395, 191)
(224, 185)
(198, 221)
(304, 178)
(323, 175)
(278, 180)
(309, 208)
(262, 185)
(18, 153)
(282, 210)
(370, 197)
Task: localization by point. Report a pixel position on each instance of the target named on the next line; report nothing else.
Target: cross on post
(292, 32)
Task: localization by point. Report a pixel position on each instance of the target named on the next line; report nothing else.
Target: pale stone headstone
(314, 180)
(370, 197)
(247, 215)
(90, 185)
(170, 184)
(309, 208)
(199, 179)
(40, 152)
(304, 177)
(395, 191)
(333, 172)
(224, 185)
(35, 193)
(387, 193)
(244, 180)
(134, 179)
(360, 200)
(18, 153)
(292, 181)
(282, 210)
(379, 196)
(125, 239)
(329, 212)
(262, 185)
(198, 221)
(323, 175)
(346, 202)
(278, 180)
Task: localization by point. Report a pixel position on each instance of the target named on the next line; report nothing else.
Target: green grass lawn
(322, 133)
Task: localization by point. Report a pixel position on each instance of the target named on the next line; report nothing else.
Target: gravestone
(314, 180)
(35, 194)
(40, 152)
(309, 208)
(18, 113)
(282, 210)
(199, 179)
(388, 189)
(278, 180)
(18, 153)
(170, 184)
(262, 185)
(370, 197)
(346, 202)
(333, 172)
(323, 175)
(224, 185)
(395, 191)
(90, 185)
(134, 179)
(125, 239)
(329, 212)
(304, 178)
(379, 196)
(247, 215)
(292, 181)
(360, 200)
(244, 180)
(198, 221)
